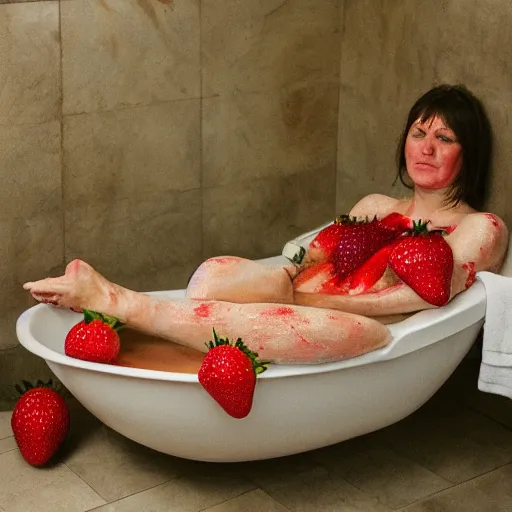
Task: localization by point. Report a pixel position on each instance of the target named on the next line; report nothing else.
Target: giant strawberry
(323, 245)
(40, 423)
(228, 374)
(362, 238)
(94, 339)
(424, 261)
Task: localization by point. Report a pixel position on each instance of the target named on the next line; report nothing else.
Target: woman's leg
(281, 333)
(240, 280)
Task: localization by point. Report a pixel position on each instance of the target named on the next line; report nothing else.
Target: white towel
(496, 368)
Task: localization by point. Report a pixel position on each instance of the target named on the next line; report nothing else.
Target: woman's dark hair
(465, 115)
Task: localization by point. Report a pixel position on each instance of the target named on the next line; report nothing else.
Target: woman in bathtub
(445, 151)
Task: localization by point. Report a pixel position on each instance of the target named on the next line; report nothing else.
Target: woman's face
(433, 155)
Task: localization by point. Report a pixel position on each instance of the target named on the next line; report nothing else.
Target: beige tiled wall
(146, 135)
(391, 53)
(270, 86)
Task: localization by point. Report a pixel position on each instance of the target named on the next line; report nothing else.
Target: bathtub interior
(42, 329)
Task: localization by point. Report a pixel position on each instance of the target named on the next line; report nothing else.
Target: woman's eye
(444, 138)
(417, 134)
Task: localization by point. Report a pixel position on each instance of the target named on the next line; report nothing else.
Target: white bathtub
(296, 407)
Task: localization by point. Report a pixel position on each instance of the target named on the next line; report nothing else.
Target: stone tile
(254, 501)
(30, 63)
(111, 464)
(495, 407)
(5, 424)
(452, 441)
(7, 444)
(148, 157)
(488, 493)
(373, 102)
(463, 387)
(256, 218)
(350, 447)
(30, 171)
(32, 248)
(186, 494)
(53, 489)
(267, 471)
(159, 247)
(269, 134)
(131, 153)
(391, 53)
(394, 480)
(144, 52)
(302, 486)
(31, 215)
(276, 44)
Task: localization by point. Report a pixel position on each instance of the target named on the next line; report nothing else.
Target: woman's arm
(478, 243)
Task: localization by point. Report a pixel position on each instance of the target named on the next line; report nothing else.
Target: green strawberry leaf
(114, 323)
(27, 386)
(258, 366)
(421, 228)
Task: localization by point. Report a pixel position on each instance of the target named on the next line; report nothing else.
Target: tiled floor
(453, 455)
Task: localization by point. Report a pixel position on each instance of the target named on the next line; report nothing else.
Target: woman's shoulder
(485, 235)
(486, 221)
(376, 204)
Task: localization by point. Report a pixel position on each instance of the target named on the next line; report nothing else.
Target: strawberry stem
(347, 220)
(421, 228)
(258, 366)
(111, 321)
(27, 386)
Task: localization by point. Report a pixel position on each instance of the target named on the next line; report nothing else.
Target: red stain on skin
(204, 310)
(303, 340)
(311, 272)
(469, 267)
(493, 219)
(333, 287)
(285, 314)
(223, 260)
(450, 229)
(278, 311)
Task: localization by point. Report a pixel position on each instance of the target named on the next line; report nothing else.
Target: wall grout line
(201, 201)
(62, 171)
(341, 21)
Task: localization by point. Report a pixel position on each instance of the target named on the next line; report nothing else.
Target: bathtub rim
(462, 312)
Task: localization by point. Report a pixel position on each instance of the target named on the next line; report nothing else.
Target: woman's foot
(81, 287)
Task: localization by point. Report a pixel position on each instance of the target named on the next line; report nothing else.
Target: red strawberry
(424, 261)
(359, 241)
(362, 236)
(397, 222)
(365, 276)
(323, 245)
(228, 374)
(94, 339)
(40, 423)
